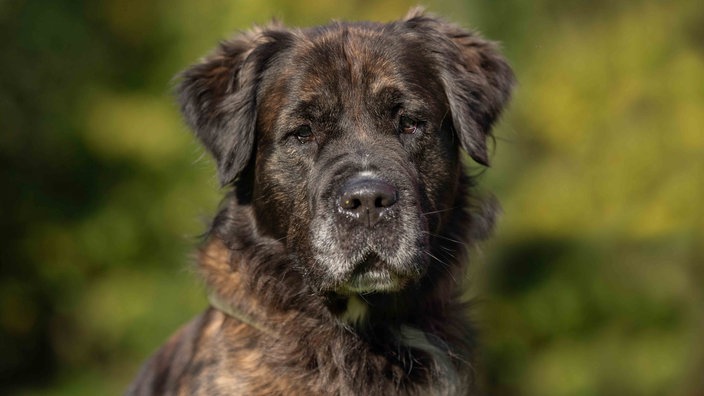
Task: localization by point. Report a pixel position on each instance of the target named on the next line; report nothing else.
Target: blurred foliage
(592, 285)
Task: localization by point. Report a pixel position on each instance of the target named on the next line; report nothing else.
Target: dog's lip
(371, 262)
(373, 282)
(371, 275)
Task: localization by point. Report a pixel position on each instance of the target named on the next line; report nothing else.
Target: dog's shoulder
(163, 372)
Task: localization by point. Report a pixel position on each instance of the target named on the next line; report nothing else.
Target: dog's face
(352, 153)
(345, 139)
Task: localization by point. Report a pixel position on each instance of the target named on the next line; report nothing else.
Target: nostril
(386, 199)
(350, 203)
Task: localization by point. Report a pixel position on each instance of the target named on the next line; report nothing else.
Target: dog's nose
(367, 199)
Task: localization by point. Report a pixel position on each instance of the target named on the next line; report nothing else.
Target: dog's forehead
(348, 58)
(337, 67)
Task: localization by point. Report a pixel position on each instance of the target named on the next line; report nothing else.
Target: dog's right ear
(218, 96)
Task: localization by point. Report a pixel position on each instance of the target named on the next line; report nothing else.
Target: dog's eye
(407, 125)
(304, 134)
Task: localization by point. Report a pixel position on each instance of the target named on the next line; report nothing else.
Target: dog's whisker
(440, 211)
(444, 265)
(445, 238)
(449, 252)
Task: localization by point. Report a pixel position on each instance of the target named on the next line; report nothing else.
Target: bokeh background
(593, 284)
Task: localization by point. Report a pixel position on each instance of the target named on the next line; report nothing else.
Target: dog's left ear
(477, 79)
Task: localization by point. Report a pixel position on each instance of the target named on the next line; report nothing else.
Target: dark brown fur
(294, 119)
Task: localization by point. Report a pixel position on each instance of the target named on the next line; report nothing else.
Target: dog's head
(345, 138)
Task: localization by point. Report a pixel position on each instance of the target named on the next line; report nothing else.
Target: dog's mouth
(373, 275)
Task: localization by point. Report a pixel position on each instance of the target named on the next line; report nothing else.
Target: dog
(333, 263)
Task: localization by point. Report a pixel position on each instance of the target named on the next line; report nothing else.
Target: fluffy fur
(333, 263)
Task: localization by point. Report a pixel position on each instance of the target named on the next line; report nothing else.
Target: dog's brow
(387, 93)
(314, 108)
(392, 98)
(308, 108)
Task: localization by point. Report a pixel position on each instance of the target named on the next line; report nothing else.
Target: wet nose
(367, 199)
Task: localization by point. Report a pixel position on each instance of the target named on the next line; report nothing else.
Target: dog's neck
(232, 291)
(251, 280)
(230, 287)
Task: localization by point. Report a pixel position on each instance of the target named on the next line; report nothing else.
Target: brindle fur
(280, 256)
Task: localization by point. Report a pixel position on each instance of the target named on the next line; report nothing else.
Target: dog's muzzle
(366, 204)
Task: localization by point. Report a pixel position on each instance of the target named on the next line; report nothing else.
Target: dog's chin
(373, 281)
(373, 275)
(370, 274)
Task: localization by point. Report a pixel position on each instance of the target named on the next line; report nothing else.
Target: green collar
(221, 305)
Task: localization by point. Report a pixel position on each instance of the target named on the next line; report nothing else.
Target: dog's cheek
(321, 253)
(330, 245)
(316, 234)
(280, 195)
(439, 168)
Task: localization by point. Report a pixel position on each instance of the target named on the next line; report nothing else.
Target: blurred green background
(593, 284)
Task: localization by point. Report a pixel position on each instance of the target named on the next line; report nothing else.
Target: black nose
(367, 199)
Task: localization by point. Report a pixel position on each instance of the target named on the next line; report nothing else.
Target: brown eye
(304, 134)
(407, 125)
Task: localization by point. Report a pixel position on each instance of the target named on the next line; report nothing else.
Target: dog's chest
(334, 366)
